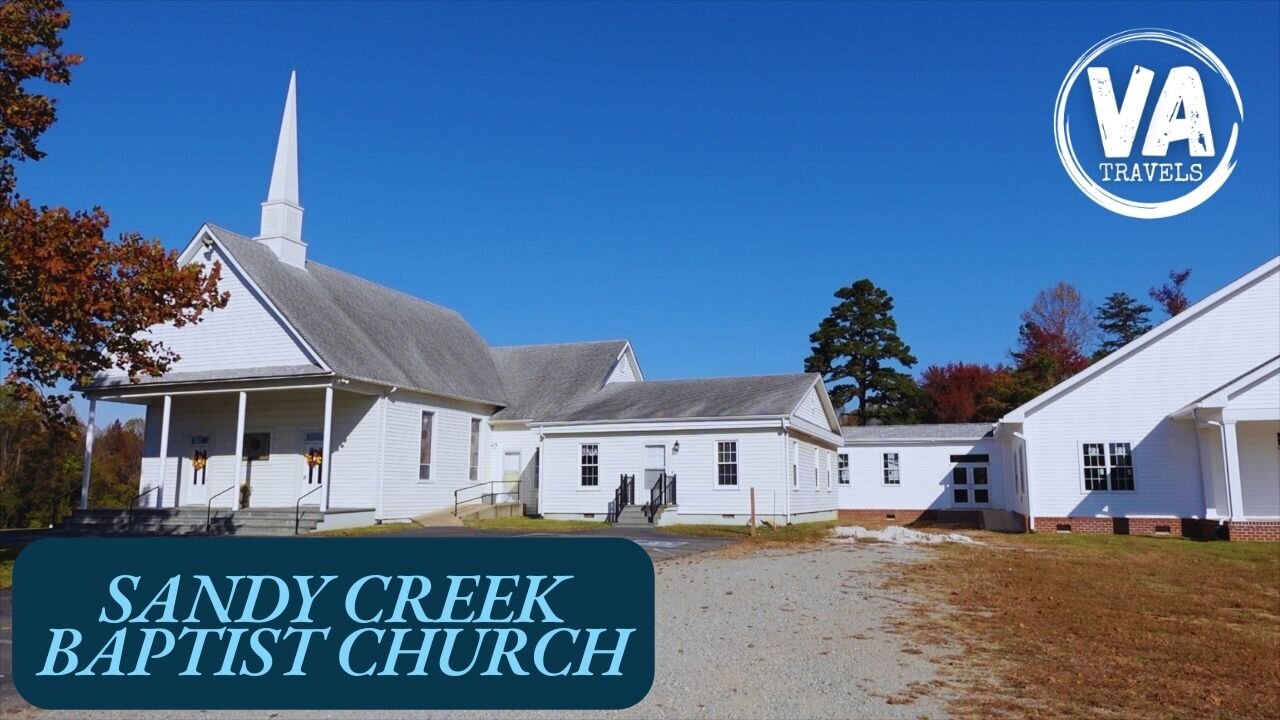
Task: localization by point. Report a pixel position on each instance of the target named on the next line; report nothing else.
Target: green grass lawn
(529, 524)
(7, 556)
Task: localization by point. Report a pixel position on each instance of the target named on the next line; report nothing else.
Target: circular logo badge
(1157, 119)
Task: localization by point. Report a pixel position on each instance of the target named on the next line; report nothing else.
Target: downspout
(786, 472)
(1025, 471)
(1226, 468)
(537, 474)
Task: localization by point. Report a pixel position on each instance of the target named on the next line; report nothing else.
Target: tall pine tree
(1122, 319)
(856, 349)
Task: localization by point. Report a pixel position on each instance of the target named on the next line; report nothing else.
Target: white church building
(314, 387)
(1177, 432)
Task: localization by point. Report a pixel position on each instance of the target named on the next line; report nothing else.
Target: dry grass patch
(1103, 626)
(800, 533)
(529, 524)
(366, 530)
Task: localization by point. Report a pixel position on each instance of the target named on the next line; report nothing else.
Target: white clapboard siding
(1131, 400)
(403, 494)
(1261, 395)
(243, 335)
(924, 472)
(805, 498)
(624, 370)
(811, 411)
(281, 480)
(517, 439)
(1260, 468)
(353, 478)
(695, 467)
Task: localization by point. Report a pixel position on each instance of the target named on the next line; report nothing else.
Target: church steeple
(281, 228)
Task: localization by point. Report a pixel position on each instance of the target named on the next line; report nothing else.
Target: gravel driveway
(769, 634)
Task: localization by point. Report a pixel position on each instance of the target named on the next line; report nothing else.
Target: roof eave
(1020, 413)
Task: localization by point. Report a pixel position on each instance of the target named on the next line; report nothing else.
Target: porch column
(235, 488)
(164, 442)
(1231, 454)
(327, 463)
(88, 454)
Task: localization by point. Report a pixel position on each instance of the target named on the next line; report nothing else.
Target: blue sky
(698, 178)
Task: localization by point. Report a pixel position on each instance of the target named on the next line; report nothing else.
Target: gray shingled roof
(953, 431)
(761, 396)
(365, 331)
(541, 379)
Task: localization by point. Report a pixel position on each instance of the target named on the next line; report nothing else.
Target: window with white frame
(795, 461)
(892, 471)
(474, 472)
(424, 445)
(815, 468)
(590, 476)
(826, 457)
(1018, 480)
(727, 463)
(1107, 467)
(842, 468)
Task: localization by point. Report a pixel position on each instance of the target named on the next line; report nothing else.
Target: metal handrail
(624, 495)
(661, 494)
(481, 497)
(133, 503)
(297, 508)
(208, 509)
(57, 502)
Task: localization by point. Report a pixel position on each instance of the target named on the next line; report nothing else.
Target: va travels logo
(1159, 143)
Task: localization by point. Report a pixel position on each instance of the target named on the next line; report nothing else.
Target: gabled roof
(1220, 397)
(1186, 316)
(364, 331)
(542, 379)
(731, 397)
(948, 431)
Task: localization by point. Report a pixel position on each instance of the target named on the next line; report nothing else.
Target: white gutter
(786, 471)
(1026, 478)
(537, 474)
(1226, 468)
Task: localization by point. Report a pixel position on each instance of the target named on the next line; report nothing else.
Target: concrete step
(487, 511)
(191, 520)
(632, 516)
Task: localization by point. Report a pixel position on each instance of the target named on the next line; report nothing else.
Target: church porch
(309, 443)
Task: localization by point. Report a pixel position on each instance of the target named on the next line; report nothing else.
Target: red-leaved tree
(962, 392)
(73, 302)
(1171, 295)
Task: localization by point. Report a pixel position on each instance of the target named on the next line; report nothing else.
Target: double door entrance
(970, 481)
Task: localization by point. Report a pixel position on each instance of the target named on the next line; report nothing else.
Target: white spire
(282, 214)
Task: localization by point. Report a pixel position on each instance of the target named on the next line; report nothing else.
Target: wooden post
(88, 454)
(753, 511)
(326, 463)
(164, 444)
(235, 482)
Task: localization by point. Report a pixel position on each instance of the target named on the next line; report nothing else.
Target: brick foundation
(1185, 527)
(901, 517)
(1254, 530)
(963, 518)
